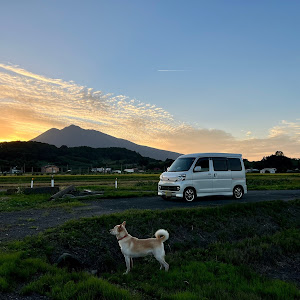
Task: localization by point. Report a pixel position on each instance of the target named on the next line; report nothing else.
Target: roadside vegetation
(130, 185)
(143, 181)
(273, 181)
(239, 251)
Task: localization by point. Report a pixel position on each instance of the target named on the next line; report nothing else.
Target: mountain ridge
(75, 136)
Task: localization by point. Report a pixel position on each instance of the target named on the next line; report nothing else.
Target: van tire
(238, 192)
(189, 194)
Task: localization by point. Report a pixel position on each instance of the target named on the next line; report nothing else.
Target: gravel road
(18, 224)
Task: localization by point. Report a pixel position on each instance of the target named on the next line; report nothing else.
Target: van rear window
(235, 164)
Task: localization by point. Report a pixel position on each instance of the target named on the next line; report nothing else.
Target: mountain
(74, 136)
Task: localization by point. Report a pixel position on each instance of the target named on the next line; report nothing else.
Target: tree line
(30, 156)
(278, 160)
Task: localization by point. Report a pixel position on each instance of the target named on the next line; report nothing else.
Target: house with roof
(50, 169)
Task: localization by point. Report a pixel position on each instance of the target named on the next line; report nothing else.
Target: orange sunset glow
(32, 104)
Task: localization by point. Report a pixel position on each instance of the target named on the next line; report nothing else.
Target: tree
(280, 162)
(279, 153)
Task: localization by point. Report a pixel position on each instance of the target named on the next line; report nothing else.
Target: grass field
(254, 181)
(273, 181)
(69, 179)
(233, 252)
(130, 185)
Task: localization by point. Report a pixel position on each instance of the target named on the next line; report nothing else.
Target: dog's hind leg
(131, 263)
(162, 262)
(127, 260)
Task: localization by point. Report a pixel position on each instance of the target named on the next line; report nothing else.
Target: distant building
(252, 171)
(97, 170)
(16, 171)
(129, 170)
(50, 169)
(268, 170)
(101, 170)
(117, 171)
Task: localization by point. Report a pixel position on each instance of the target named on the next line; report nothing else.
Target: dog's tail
(162, 234)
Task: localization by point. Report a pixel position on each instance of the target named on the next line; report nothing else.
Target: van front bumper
(169, 194)
(170, 190)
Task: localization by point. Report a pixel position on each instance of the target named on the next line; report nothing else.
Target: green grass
(148, 181)
(127, 187)
(38, 201)
(78, 178)
(16, 269)
(206, 280)
(131, 185)
(138, 185)
(273, 181)
(214, 253)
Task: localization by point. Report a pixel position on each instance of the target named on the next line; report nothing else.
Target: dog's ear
(124, 223)
(119, 228)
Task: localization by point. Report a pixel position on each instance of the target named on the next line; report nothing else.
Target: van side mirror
(168, 168)
(197, 169)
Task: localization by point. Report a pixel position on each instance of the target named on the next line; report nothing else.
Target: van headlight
(181, 177)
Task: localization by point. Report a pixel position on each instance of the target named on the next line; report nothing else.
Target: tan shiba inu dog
(133, 247)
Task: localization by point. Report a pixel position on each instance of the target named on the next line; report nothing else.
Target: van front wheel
(189, 194)
(238, 192)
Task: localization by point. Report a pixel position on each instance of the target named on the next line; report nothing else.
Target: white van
(204, 174)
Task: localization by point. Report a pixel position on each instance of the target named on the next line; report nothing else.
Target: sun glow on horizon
(32, 104)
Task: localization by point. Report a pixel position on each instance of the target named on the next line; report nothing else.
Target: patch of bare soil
(16, 296)
(284, 268)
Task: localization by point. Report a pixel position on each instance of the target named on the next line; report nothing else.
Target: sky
(184, 76)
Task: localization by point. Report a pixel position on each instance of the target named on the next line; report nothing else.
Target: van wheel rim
(189, 195)
(238, 193)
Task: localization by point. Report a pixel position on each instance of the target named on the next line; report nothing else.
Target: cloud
(286, 128)
(32, 104)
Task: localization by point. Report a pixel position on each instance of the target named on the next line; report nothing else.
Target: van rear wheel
(238, 192)
(189, 194)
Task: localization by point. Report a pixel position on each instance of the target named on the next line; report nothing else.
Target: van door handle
(215, 174)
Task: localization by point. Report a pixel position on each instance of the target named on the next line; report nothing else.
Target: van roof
(212, 155)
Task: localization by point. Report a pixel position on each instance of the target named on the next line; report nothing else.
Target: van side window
(203, 163)
(235, 164)
(220, 164)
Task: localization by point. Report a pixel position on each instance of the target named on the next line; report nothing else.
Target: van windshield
(181, 164)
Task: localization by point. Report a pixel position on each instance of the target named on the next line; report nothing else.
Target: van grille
(169, 188)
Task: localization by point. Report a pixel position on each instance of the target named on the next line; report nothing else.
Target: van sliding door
(222, 180)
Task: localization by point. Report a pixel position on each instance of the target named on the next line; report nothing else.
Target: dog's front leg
(127, 260)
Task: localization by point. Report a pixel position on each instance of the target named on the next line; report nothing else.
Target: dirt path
(19, 224)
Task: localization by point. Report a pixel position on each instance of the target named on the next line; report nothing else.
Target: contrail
(166, 70)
